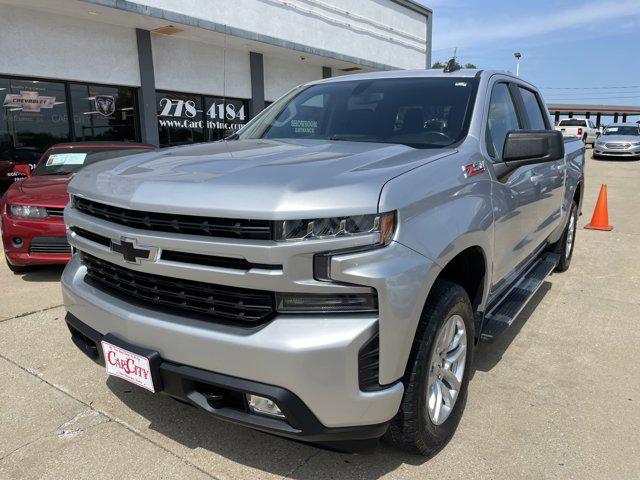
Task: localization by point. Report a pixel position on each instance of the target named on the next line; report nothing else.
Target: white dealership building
(169, 72)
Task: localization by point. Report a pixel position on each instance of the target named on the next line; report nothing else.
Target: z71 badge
(473, 169)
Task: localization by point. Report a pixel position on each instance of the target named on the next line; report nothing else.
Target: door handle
(536, 178)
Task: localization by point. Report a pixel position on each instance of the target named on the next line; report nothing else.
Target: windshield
(419, 112)
(622, 130)
(573, 123)
(62, 161)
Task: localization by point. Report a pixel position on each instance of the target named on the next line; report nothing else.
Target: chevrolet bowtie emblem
(132, 252)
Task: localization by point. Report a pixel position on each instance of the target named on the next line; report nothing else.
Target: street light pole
(517, 55)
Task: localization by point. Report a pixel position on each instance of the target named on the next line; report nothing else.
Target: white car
(578, 127)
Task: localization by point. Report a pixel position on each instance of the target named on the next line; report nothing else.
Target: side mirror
(526, 147)
(22, 169)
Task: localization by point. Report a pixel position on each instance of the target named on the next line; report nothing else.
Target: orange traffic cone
(600, 219)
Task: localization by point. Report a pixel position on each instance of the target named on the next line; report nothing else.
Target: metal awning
(565, 108)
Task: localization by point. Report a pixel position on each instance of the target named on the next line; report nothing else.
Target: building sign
(186, 118)
(28, 101)
(105, 104)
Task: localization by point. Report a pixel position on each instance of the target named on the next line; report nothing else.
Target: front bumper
(223, 396)
(314, 357)
(601, 150)
(22, 255)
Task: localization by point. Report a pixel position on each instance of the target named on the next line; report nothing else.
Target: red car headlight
(27, 211)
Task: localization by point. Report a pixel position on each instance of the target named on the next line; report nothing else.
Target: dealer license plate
(127, 365)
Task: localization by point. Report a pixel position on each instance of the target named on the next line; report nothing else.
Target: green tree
(470, 65)
(438, 65)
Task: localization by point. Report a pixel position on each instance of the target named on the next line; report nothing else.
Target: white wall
(281, 75)
(321, 24)
(195, 67)
(42, 44)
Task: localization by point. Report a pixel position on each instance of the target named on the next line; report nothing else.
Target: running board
(500, 317)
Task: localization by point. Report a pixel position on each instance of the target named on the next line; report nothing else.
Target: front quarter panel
(441, 212)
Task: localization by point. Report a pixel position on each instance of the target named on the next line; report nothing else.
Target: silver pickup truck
(325, 273)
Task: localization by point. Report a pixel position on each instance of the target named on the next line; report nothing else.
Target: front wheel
(437, 373)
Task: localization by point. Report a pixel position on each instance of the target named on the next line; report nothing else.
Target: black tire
(15, 268)
(412, 429)
(560, 247)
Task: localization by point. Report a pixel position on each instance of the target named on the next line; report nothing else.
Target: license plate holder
(137, 365)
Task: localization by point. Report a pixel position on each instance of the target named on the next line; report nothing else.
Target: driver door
(516, 195)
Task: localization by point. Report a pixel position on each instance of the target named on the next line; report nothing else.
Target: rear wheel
(437, 373)
(15, 268)
(564, 246)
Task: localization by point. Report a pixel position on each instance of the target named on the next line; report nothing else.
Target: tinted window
(103, 113)
(419, 112)
(60, 161)
(532, 109)
(33, 116)
(573, 122)
(180, 118)
(502, 119)
(224, 114)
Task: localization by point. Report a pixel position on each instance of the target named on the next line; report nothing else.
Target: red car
(33, 231)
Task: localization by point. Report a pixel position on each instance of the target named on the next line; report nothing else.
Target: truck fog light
(263, 406)
(17, 241)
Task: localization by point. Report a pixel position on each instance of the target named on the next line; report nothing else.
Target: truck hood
(45, 191)
(262, 179)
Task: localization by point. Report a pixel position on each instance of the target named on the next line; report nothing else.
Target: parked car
(576, 127)
(326, 272)
(12, 157)
(33, 231)
(620, 140)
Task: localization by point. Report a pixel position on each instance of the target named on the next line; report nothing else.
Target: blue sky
(571, 43)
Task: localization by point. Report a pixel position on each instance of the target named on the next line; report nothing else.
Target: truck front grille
(178, 296)
(174, 223)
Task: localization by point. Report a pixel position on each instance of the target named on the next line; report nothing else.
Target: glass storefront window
(33, 117)
(223, 115)
(180, 118)
(103, 113)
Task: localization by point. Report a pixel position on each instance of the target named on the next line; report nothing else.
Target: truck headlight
(327, 302)
(381, 224)
(27, 211)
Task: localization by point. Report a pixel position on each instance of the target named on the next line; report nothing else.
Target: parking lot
(557, 396)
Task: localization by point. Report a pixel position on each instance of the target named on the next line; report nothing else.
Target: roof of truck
(430, 73)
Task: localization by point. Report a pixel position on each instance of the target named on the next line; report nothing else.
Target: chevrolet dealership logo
(131, 252)
(28, 101)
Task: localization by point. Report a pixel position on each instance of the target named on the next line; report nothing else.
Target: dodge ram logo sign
(105, 105)
(131, 252)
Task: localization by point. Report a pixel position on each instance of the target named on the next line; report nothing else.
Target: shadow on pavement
(195, 429)
(45, 273)
(489, 354)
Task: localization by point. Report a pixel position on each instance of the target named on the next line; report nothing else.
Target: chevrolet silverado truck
(326, 272)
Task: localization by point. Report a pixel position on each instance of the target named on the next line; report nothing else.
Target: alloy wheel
(446, 369)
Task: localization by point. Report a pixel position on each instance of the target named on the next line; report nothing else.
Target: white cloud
(450, 32)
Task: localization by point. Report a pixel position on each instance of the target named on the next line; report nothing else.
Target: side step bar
(502, 315)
